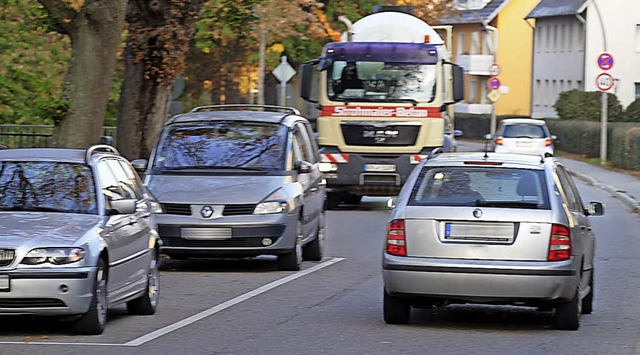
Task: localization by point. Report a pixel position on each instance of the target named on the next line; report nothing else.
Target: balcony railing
(475, 64)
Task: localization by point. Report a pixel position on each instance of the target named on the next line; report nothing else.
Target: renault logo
(206, 211)
(477, 213)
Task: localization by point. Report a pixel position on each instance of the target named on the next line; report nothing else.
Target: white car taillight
(559, 243)
(396, 243)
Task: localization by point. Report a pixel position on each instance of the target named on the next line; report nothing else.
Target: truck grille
(377, 134)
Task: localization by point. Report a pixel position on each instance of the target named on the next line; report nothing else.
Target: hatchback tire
(148, 302)
(94, 321)
(567, 315)
(332, 201)
(396, 310)
(587, 301)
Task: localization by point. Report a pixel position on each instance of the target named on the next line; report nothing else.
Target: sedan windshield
(479, 186)
(225, 145)
(47, 187)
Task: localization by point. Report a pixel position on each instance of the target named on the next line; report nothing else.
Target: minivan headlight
(274, 203)
(56, 256)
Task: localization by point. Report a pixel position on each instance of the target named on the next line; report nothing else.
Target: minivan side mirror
(304, 167)
(140, 165)
(123, 206)
(392, 202)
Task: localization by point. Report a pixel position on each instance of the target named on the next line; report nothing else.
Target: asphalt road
(335, 306)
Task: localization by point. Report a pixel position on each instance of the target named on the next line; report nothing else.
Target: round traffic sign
(605, 61)
(494, 69)
(604, 81)
(494, 83)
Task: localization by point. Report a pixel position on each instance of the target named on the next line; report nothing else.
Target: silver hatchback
(76, 236)
(490, 228)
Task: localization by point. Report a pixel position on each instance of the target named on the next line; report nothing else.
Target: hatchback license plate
(4, 283)
(387, 168)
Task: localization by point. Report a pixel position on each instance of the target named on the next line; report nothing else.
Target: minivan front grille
(236, 210)
(177, 208)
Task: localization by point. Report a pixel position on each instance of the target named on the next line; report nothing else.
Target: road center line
(213, 310)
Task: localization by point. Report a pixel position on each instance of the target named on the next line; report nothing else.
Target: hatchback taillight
(499, 141)
(548, 142)
(396, 243)
(559, 243)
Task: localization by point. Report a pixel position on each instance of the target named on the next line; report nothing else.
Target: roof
(484, 15)
(550, 8)
(250, 113)
(44, 154)
(522, 120)
(506, 159)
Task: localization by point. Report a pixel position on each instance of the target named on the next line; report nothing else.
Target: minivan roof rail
(100, 148)
(247, 107)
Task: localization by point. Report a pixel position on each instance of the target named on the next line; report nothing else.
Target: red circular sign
(604, 82)
(494, 83)
(605, 61)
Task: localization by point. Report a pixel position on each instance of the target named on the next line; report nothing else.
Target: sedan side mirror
(140, 165)
(304, 167)
(595, 209)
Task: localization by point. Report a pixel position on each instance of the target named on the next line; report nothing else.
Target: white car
(524, 136)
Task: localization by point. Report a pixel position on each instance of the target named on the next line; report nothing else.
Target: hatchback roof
(522, 120)
(488, 159)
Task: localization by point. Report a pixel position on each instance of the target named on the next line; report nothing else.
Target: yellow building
(493, 42)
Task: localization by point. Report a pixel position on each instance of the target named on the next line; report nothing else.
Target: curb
(627, 200)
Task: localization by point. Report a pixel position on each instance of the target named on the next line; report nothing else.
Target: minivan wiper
(211, 167)
(507, 204)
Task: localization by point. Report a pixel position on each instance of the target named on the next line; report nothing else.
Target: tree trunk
(95, 31)
(157, 45)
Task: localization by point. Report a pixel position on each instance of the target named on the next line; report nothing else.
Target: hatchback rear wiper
(507, 204)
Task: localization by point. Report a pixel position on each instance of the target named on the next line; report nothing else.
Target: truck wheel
(352, 199)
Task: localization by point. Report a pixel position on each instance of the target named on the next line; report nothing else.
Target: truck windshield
(381, 81)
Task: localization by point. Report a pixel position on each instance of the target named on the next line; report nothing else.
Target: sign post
(494, 95)
(604, 82)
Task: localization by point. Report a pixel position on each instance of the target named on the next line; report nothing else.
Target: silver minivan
(238, 181)
(490, 228)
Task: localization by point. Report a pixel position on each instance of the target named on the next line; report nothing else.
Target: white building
(569, 37)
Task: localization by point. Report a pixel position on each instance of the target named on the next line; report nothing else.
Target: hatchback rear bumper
(481, 281)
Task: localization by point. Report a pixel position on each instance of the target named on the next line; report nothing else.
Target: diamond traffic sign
(494, 95)
(284, 71)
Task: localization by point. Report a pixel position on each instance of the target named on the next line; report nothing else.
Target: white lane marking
(196, 317)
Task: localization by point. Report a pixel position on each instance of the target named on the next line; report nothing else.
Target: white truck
(383, 94)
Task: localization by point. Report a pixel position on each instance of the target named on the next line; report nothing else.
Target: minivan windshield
(481, 186)
(222, 145)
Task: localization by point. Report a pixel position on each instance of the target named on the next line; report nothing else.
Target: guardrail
(35, 136)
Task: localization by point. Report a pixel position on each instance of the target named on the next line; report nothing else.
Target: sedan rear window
(47, 187)
(480, 186)
(222, 145)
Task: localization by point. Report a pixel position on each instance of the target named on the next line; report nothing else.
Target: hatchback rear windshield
(524, 131)
(480, 186)
(47, 186)
(222, 145)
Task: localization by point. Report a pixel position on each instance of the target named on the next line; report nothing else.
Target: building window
(475, 43)
(461, 43)
(487, 43)
(473, 87)
(637, 90)
(484, 92)
(637, 38)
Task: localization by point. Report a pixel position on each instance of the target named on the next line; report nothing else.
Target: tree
(94, 28)
(159, 33)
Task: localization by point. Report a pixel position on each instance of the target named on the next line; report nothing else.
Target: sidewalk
(623, 186)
